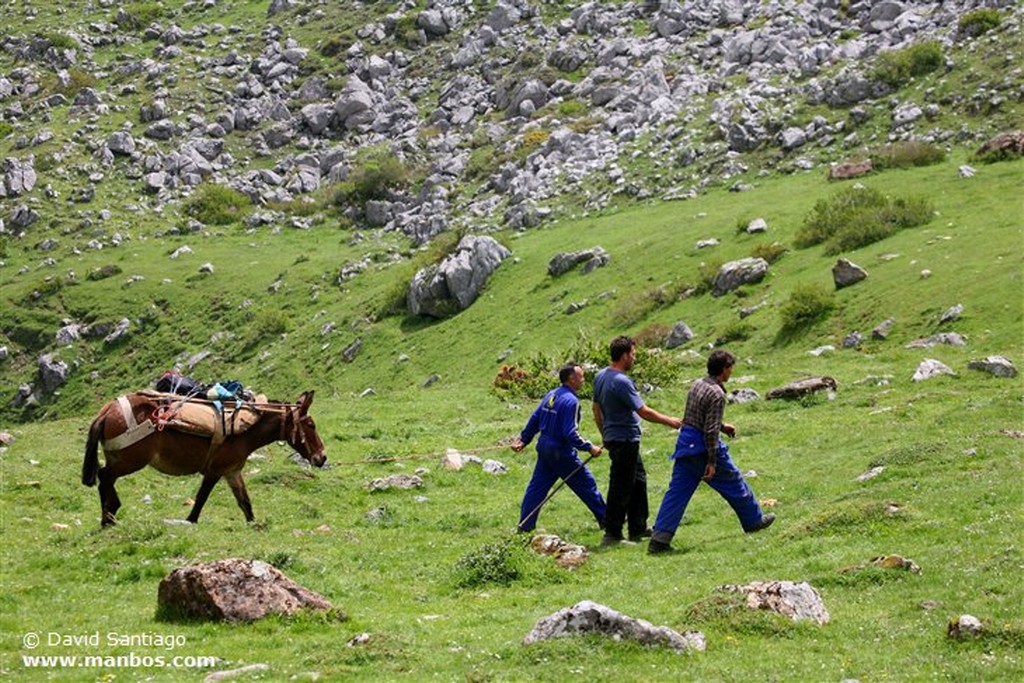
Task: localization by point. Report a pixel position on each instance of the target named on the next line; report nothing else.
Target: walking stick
(553, 492)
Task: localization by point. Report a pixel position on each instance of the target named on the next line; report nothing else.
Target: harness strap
(134, 431)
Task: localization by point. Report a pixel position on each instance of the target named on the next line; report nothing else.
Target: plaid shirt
(705, 408)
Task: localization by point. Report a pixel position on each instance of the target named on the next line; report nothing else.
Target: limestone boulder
(234, 590)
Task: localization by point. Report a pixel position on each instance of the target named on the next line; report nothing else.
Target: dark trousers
(627, 490)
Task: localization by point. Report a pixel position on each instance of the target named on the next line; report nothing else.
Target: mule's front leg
(209, 481)
(237, 485)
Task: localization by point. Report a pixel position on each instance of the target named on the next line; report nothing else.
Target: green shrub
(638, 305)
(539, 373)
(214, 204)
(769, 252)
(858, 216)
(906, 155)
(60, 41)
(138, 15)
(333, 46)
(737, 330)
(652, 336)
(706, 273)
(897, 67)
(974, 24)
(103, 272)
(373, 176)
(571, 108)
(5, 129)
(500, 563)
(806, 305)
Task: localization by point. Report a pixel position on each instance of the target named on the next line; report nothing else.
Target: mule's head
(302, 434)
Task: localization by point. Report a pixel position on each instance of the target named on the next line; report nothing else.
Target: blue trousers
(686, 476)
(551, 467)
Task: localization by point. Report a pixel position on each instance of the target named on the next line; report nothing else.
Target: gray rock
(735, 274)
(846, 273)
(19, 177)
(680, 334)
(798, 601)
(930, 368)
(965, 627)
(588, 617)
(592, 258)
(742, 395)
(395, 481)
(952, 314)
(233, 590)
(53, 373)
(948, 338)
(121, 143)
(352, 350)
(882, 330)
(803, 387)
(454, 284)
(995, 365)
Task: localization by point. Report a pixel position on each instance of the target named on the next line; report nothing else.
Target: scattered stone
(952, 314)
(742, 395)
(803, 387)
(883, 329)
(799, 601)
(231, 674)
(494, 467)
(735, 274)
(704, 244)
(360, 639)
(930, 368)
(846, 273)
(567, 555)
(234, 590)
(950, 338)
(756, 226)
(852, 340)
(966, 171)
(451, 460)
(852, 169)
(822, 350)
(395, 481)
(994, 365)
(680, 334)
(871, 474)
(595, 257)
(588, 617)
(965, 626)
(896, 562)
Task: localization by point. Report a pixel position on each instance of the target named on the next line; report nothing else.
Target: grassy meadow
(950, 496)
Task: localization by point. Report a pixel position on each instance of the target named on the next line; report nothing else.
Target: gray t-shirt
(615, 392)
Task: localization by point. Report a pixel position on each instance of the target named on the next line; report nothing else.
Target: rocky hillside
(501, 113)
(416, 119)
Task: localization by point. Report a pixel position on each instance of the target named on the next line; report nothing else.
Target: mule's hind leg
(237, 485)
(209, 481)
(109, 502)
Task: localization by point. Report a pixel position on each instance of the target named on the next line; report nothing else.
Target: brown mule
(179, 453)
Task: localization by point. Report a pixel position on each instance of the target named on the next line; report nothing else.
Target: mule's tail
(91, 463)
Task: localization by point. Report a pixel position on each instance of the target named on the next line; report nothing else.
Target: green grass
(950, 472)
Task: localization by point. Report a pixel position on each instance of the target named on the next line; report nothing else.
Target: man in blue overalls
(557, 419)
(701, 455)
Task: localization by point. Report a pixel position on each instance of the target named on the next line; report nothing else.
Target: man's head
(719, 362)
(621, 350)
(571, 375)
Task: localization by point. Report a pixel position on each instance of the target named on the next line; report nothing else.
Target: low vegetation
(858, 216)
(897, 67)
(215, 204)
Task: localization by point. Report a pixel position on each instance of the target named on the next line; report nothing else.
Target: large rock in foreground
(589, 617)
(798, 601)
(233, 590)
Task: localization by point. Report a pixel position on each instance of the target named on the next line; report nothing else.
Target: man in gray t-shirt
(618, 409)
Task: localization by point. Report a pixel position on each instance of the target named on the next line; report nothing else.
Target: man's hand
(729, 430)
(709, 472)
(595, 450)
(517, 445)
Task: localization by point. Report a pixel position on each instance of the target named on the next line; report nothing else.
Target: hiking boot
(766, 521)
(646, 533)
(608, 541)
(659, 548)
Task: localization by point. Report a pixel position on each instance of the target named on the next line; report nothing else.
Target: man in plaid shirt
(701, 455)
